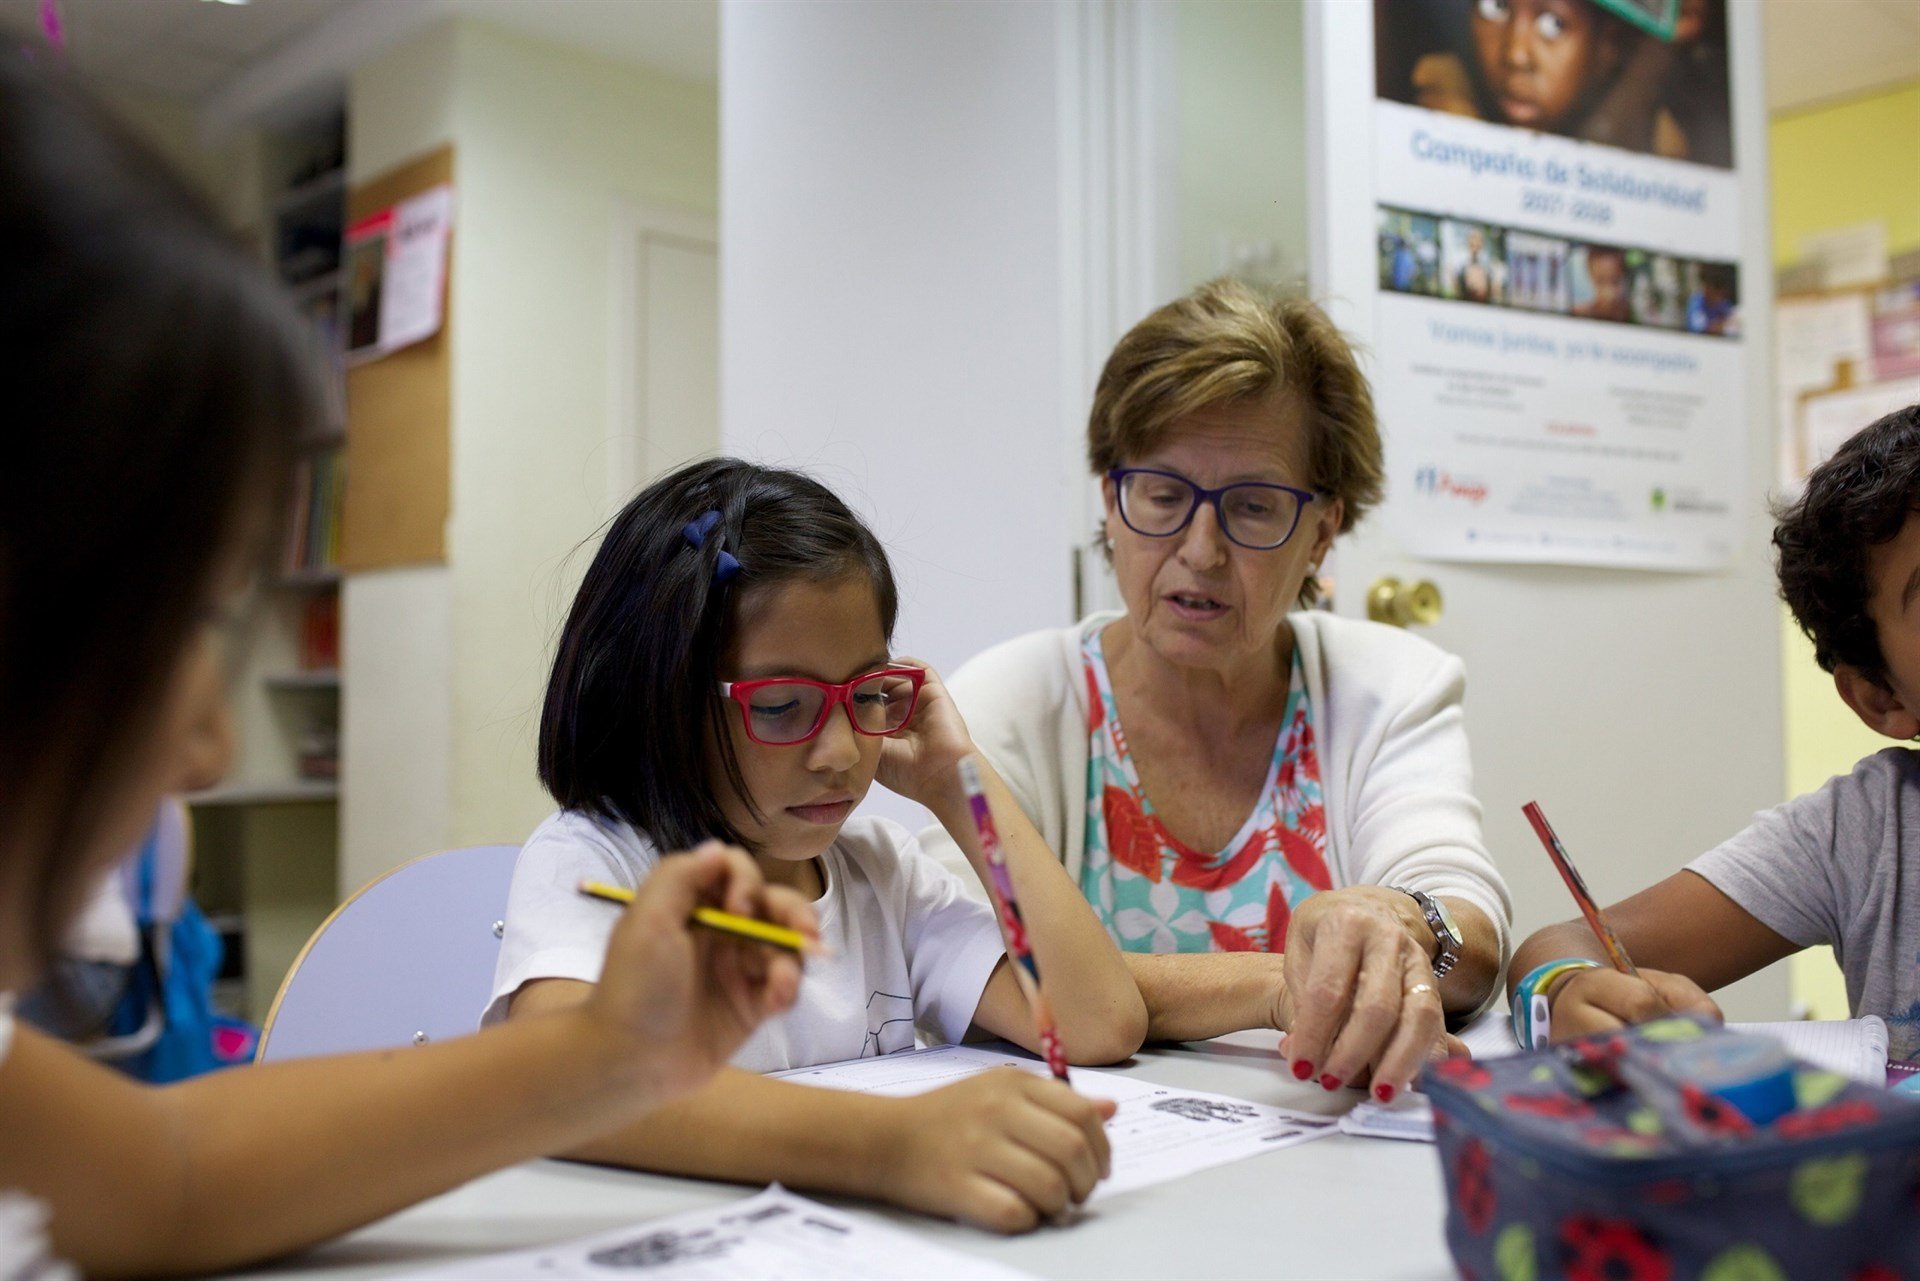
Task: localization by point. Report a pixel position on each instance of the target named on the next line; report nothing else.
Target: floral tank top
(1156, 894)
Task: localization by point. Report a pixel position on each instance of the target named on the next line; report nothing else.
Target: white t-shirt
(906, 945)
(105, 931)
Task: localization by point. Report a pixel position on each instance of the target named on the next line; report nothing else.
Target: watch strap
(1448, 954)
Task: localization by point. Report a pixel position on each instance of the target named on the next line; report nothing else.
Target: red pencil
(1026, 971)
(1616, 951)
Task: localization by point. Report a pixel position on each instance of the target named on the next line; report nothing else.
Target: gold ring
(1418, 988)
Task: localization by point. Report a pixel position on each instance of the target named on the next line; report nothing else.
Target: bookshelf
(267, 838)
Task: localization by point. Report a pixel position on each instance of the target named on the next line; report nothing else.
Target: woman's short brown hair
(1226, 342)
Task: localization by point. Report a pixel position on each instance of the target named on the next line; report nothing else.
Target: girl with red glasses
(726, 673)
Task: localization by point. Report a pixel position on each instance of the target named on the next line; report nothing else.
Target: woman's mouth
(1194, 606)
(823, 812)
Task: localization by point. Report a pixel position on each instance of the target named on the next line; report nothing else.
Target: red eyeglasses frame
(840, 695)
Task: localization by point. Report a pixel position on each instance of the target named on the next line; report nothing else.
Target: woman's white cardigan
(1395, 777)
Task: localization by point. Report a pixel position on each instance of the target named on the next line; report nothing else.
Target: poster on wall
(396, 272)
(1559, 365)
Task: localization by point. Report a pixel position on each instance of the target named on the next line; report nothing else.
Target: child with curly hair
(1829, 867)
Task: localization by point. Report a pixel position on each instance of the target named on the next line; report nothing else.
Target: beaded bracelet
(1531, 1007)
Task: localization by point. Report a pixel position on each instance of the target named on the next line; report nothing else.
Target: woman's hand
(1360, 989)
(1602, 1000)
(1002, 1150)
(683, 998)
(922, 761)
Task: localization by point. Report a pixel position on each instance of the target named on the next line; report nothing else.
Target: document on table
(772, 1236)
(1408, 1117)
(1159, 1132)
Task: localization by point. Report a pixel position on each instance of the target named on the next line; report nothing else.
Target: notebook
(1851, 1047)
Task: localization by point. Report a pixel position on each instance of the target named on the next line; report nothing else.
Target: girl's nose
(837, 747)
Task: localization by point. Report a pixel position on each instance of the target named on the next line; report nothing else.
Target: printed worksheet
(772, 1236)
(1160, 1132)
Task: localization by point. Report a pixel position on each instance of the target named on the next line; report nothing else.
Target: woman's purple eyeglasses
(1253, 514)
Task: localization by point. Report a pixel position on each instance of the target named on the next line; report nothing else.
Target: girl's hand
(1602, 1000)
(683, 998)
(1360, 990)
(922, 760)
(1002, 1150)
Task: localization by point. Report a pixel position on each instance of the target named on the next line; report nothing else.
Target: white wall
(1243, 139)
(396, 684)
(548, 140)
(891, 268)
(445, 665)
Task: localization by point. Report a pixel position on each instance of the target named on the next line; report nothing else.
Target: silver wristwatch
(1445, 931)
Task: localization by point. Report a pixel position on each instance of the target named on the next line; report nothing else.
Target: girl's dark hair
(1855, 501)
(631, 706)
(155, 379)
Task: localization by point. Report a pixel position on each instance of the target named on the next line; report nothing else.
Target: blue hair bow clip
(696, 532)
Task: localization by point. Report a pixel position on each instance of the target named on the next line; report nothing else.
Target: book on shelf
(320, 752)
(319, 489)
(320, 633)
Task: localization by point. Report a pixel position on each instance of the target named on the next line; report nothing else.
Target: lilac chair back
(406, 961)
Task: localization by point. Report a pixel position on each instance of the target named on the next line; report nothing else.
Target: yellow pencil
(714, 919)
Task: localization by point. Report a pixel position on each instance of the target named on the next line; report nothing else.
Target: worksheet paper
(773, 1236)
(1852, 1047)
(1160, 1132)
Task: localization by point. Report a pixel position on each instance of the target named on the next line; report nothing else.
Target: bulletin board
(399, 419)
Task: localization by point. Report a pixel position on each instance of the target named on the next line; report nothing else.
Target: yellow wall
(1843, 164)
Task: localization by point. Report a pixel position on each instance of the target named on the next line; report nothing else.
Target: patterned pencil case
(1602, 1158)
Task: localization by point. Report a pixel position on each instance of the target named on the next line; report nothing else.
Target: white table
(1335, 1207)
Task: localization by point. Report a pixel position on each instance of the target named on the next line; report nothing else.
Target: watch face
(1446, 919)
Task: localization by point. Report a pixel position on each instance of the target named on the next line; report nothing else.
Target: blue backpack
(165, 1027)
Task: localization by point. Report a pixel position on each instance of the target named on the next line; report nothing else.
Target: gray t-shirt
(1830, 867)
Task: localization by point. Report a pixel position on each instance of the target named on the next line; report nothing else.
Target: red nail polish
(1328, 1081)
(1383, 1092)
(1302, 1069)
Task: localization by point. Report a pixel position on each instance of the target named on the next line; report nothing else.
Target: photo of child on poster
(1648, 76)
(1409, 252)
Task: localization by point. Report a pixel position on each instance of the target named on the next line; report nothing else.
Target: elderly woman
(1268, 807)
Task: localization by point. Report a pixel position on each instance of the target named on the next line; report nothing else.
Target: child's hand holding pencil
(1602, 999)
(678, 1001)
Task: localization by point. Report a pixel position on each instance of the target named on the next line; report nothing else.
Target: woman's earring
(1109, 542)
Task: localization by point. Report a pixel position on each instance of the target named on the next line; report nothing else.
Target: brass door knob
(1404, 604)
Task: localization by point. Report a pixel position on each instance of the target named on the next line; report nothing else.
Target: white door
(1641, 709)
(665, 398)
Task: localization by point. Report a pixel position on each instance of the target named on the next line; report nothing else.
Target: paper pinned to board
(1814, 339)
(1852, 255)
(1158, 1133)
(396, 264)
(771, 1236)
(1829, 420)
